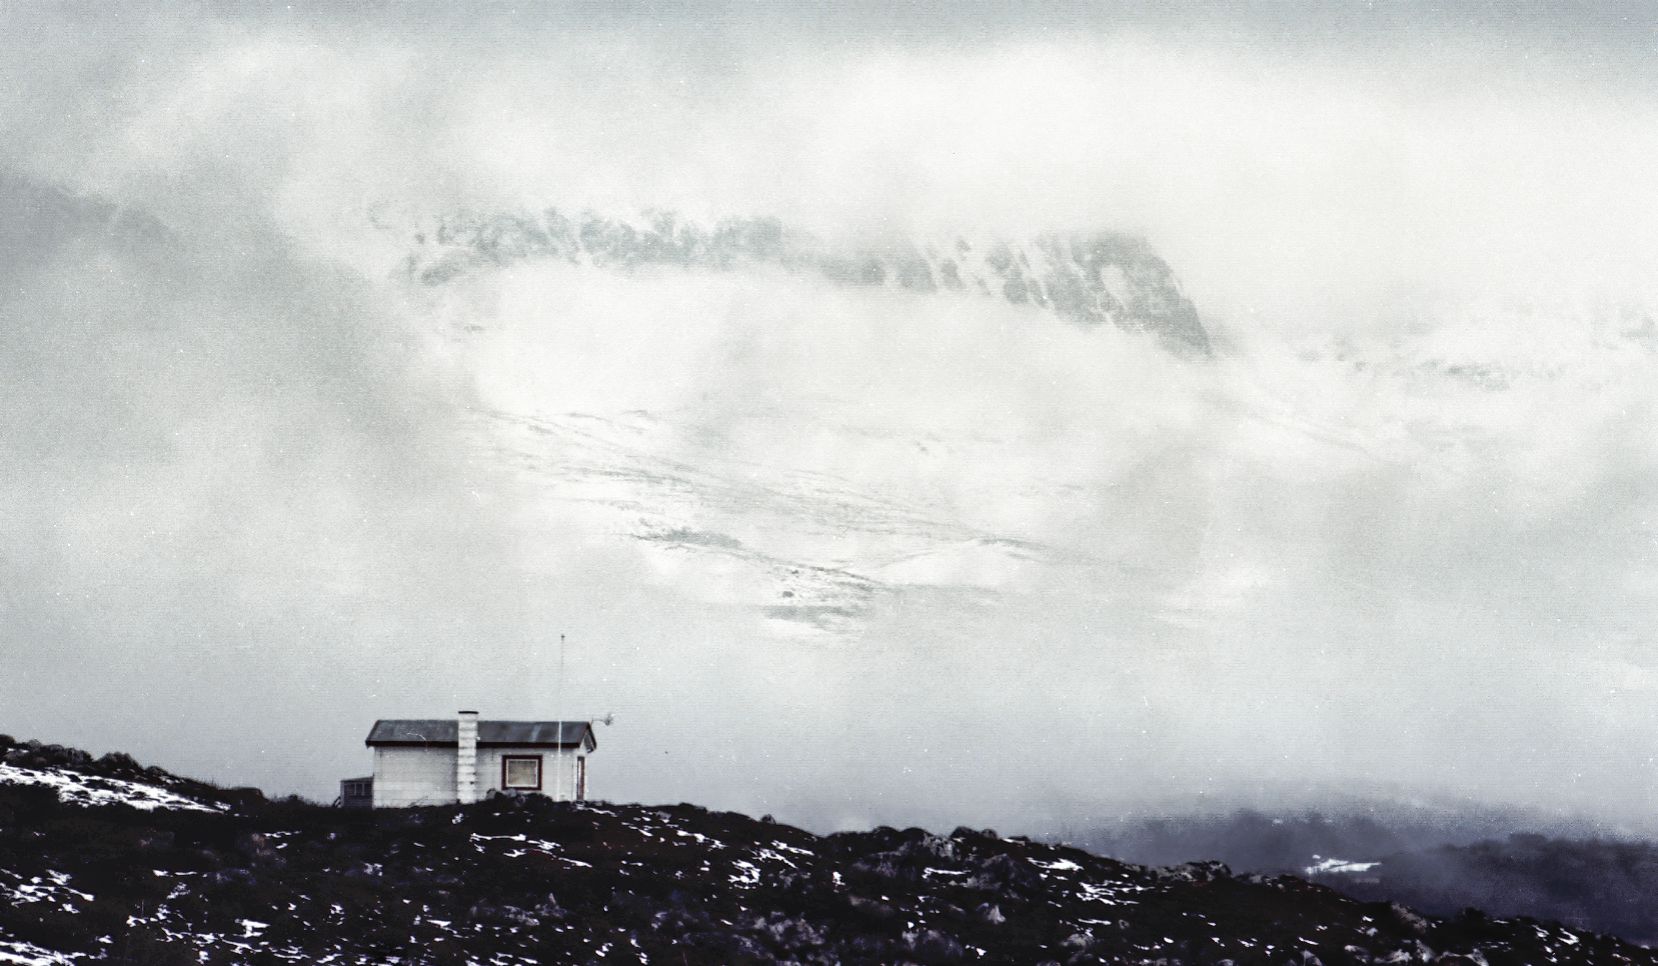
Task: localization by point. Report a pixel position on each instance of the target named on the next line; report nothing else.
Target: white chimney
(466, 757)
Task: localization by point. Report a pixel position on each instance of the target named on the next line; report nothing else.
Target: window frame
(540, 773)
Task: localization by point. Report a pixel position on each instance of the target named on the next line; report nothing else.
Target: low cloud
(1397, 532)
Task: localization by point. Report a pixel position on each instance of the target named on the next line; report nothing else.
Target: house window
(521, 772)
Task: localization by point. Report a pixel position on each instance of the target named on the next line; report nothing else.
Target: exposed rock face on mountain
(1088, 279)
(185, 873)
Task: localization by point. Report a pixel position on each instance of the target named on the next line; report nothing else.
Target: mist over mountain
(346, 370)
(931, 478)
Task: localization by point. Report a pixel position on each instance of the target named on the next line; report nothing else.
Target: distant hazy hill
(103, 861)
(1433, 859)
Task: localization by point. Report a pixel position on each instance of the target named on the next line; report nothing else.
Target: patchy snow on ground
(53, 890)
(15, 953)
(77, 789)
(1058, 865)
(1323, 866)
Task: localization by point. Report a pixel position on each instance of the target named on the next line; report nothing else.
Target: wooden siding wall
(413, 776)
(558, 770)
(426, 776)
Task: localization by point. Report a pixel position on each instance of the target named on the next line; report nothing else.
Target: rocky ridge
(1089, 279)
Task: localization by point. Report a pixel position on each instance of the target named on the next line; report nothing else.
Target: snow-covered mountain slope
(807, 549)
(808, 432)
(525, 880)
(798, 430)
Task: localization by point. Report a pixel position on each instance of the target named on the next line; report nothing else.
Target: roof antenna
(558, 716)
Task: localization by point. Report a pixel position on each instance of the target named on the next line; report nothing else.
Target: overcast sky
(1399, 531)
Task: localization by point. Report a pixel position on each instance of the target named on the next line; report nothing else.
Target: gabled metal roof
(442, 731)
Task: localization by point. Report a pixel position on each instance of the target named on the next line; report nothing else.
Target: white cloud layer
(1400, 530)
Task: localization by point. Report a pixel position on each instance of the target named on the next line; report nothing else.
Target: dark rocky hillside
(104, 861)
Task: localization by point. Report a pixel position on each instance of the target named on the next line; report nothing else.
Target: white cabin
(462, 759)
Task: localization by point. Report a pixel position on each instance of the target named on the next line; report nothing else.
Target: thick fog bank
(259, 487)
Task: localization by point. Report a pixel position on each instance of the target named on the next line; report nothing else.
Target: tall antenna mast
(558, 718)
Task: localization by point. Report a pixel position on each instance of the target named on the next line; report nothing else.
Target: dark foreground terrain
(102, 860)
